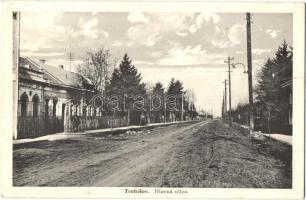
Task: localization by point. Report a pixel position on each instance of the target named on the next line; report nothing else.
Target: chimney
(43, 61)
(61, 66)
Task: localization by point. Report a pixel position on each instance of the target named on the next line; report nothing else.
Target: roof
(53, 74)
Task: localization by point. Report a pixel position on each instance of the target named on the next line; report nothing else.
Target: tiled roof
(55, 75)
(63, 76)
(28, 63)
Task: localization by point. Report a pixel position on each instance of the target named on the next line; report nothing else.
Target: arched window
(46, 107)
(24, 104)
(35, 105)
(84, 111)
(94, 112)
(54, 106)
(76, 110)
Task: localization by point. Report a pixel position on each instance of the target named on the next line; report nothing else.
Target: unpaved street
(198, 154)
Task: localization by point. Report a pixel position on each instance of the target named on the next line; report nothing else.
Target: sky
(190, 47)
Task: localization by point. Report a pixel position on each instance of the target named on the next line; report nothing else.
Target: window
(47, 107)
(54, 107)
(76, 110)
(24, 104)
(35, 105)
(84, 111)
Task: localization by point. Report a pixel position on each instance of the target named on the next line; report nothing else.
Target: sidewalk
(280, 137)
(63, 135)
(276, 136)
(126, 128)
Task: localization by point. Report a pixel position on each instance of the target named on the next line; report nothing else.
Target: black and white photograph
(154, 102)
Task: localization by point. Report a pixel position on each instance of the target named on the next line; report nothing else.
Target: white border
(116, 192)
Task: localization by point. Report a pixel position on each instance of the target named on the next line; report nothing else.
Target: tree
(127, 83)
(158, 88)
(158, 91)
(175, 89)
(189, 102)
(126, 79)
(272, 99)
(97, 67)
(149, 87)
(114, 86)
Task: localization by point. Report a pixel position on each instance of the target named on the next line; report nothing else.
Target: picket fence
(30, 127)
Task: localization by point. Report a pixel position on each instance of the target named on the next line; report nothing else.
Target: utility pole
(182, 113)
(16, 52)
(222, 110)
(225, 96)
(70, 53)
(165, 107)
(249, 57)
(228, 61)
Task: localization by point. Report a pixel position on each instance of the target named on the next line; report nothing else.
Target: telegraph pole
(70, 53)
(182, 113)
(228, 61)
(16, 53)
(249, 57)
(223, 110)
(165, 108)
(225, 96)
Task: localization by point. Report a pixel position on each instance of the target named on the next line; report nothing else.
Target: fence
(81, 123)
(261, 123)
(30, 126)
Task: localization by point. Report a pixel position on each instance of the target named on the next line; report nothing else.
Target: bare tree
(97, 67)
(190, 95)
(149, 87)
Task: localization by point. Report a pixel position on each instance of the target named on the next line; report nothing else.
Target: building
(48, 94)
(287, 90)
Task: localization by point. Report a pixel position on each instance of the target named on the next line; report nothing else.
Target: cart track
(203, 154)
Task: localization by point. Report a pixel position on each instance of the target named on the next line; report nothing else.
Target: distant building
(46, 94)
(287, 90)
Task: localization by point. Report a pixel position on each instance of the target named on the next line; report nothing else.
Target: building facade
(47, 95)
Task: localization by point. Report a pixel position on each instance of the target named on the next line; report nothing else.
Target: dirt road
(201, 154)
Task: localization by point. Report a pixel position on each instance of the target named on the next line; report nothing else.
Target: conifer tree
(271, 97)
(158, 90)
(126, 83)
(126, 79)
(176, 88)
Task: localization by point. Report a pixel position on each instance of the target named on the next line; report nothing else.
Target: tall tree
(273, 73)
(271, 97)
(126, 79)
(158, 88)
(127, 83)
(176, 88)
(97, 67)
(114, 86)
